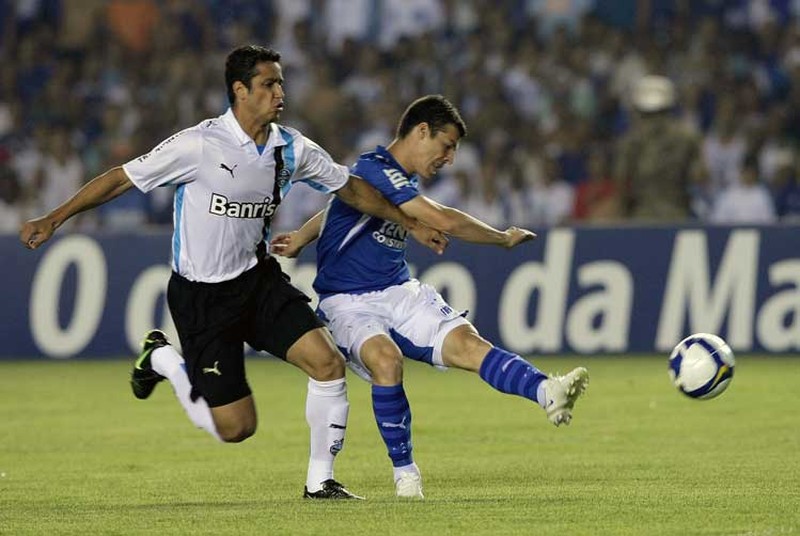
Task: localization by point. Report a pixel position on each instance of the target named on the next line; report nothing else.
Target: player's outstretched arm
(461, 225)
(367, 199)
(292, 243)
(99, 190)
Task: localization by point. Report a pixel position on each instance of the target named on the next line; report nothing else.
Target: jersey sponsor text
(222, 206)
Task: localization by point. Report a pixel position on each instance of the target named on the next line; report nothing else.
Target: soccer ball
(701, 366)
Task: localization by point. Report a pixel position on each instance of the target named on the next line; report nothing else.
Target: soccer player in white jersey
(378, 313)
(231, 173)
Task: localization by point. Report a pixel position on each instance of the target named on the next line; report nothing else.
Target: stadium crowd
(546, 89)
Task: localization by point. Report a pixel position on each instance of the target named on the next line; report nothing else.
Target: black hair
(240, 65)
(436, 111)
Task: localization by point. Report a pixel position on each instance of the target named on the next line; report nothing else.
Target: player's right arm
(99, 190)
(461, 225)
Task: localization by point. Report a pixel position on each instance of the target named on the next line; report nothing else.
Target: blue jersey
(358, 253)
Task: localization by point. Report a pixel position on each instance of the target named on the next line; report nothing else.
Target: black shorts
(214, 320)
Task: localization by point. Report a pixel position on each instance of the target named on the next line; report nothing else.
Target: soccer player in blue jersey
(231, 173)
(378, 313)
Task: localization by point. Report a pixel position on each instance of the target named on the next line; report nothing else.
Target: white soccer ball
(701, 366)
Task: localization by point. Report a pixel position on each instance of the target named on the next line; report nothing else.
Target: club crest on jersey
(283, 177)
(222, 206)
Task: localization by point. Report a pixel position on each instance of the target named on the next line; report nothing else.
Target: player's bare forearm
(462, 225)
(292, 243)
(367, 199)
(99, 190)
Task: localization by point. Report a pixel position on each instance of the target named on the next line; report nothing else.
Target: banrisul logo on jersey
(222, 206)
(392, 235)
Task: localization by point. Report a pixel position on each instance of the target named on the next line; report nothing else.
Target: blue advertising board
(573, 290)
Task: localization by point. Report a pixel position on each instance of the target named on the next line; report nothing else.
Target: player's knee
(386, 367)
(327, 367)
(236, 432)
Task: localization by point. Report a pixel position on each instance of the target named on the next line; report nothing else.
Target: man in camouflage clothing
(658, 159)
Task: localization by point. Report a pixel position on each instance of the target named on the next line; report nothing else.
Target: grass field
(79, 455)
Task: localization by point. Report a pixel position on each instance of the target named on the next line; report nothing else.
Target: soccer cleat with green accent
(561, 392)
(330, 490)
(143, 377)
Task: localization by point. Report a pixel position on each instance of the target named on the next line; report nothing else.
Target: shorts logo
(212, 370)
(222, 206)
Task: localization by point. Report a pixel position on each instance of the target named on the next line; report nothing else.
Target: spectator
(746, 201)
(658, 159)
(597, 197)
(724, 148)
(553, 199)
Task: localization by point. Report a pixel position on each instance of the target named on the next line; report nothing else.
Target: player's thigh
(206, 318)
(422, 321)
(353, 320)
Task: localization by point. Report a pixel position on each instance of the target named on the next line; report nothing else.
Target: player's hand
(516, 236)
(36, 232)
(286, 245)
(430, 238)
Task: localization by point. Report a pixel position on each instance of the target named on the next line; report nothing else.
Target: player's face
(265, 98)
(436, 151)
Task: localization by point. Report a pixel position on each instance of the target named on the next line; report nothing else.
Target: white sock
(326, 413)
(169, 363)
(541, 396)
(410, 468)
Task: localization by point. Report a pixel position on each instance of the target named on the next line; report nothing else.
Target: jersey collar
(384, 153)
(274, 140)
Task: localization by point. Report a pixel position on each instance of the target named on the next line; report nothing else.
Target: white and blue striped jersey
(227, 191)
(357, 253)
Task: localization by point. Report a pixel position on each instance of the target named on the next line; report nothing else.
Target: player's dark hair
(241, 65)
(436, 111)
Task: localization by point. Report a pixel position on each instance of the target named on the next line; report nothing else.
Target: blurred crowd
(579, 111)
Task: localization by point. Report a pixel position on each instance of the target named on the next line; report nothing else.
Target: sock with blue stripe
(509, 373)
(393, 416)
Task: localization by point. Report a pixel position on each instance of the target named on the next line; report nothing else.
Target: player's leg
(359, 324)
(392, 411)
(158, 361)
(509, 373)
(210, 383)
(284, 325)
(327, 409)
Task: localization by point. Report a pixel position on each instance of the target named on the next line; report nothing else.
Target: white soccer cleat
(561, 392)
(409, 486)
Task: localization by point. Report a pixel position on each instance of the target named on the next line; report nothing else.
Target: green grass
(79, 455)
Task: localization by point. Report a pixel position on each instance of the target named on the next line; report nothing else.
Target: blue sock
(393, 415)
(509, 373)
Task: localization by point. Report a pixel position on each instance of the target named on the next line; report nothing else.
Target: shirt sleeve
(393, 184)
(316, 168)
(173, 161)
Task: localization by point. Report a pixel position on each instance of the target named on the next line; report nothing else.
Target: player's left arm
(365, 198)
(462, 225)
(292, 243)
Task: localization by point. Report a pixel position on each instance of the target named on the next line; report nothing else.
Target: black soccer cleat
(143, 377)
(330, 490)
